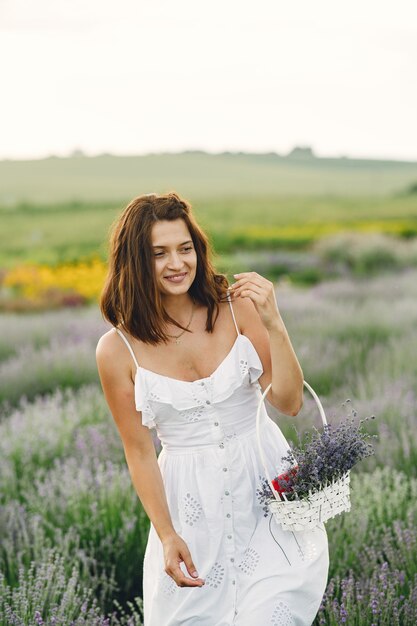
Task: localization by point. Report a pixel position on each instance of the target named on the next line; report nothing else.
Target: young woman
(190, 356)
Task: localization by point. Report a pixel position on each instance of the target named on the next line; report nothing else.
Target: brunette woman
(189, 355)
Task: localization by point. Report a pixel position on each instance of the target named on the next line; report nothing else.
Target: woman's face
(174, 255)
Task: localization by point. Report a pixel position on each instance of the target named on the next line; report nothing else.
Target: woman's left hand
(261, 291)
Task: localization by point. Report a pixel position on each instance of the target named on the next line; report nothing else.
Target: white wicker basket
(318, 506)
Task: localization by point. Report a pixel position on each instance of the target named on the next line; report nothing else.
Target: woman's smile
(176, 278)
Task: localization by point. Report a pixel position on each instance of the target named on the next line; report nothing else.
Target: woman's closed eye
(183, 250)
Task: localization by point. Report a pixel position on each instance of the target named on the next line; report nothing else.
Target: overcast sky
(131, 77)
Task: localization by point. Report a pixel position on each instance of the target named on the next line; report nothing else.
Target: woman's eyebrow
(180, 244)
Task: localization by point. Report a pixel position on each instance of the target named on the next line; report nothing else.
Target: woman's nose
(175, 260)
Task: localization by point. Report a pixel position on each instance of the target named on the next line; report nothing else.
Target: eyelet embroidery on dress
(168, 585)
(215, 576)
(282, 615)
(308, 550)
(249, 562)
(148, 408)
(243, 364)
(196, 397)
(192, 509)
(148, 411)
(193, 414)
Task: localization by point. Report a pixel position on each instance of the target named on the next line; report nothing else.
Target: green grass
(198, 175)
(53, 234)
(60, 209)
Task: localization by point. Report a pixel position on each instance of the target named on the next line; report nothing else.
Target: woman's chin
(176, 289)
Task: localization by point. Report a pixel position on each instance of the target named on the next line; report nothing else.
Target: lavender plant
(384, 509)
(383, 599)
(60, 352)
(351, 337)
(324, 456)
(47, 596)
(93, 515)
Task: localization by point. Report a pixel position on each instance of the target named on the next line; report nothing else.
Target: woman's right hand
(175, 552)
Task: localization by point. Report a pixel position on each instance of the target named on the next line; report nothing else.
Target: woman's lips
(176, 279)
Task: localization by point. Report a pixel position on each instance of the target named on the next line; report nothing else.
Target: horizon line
(302, 152)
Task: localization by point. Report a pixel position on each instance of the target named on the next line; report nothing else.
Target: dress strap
(233, 313)
(128, 345)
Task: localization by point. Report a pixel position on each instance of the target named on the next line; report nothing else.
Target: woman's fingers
(262, 293)
(252, 277)
(181, 579)
(257, 298)
(180, 553)
(251, 280)
(247, 285)
(188, 562)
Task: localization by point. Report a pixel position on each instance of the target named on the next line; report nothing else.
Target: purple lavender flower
(38, 618)
(324, 457)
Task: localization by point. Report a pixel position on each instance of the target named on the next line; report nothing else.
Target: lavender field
(73, 531)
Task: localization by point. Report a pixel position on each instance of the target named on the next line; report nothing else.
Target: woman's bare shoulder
(112, 357)
(108, 343)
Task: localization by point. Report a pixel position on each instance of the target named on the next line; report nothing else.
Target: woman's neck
(178, 307)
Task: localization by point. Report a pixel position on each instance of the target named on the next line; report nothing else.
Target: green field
(198, 176)
(60, 209)
(67, 232)
(254, 208)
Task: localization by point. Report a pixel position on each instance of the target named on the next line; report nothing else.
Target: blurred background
(291, 130)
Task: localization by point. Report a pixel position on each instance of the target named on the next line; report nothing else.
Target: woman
(194, 366)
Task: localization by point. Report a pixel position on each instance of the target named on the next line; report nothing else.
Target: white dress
(256, 574)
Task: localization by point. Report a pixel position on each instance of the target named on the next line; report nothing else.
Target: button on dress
(255, 573)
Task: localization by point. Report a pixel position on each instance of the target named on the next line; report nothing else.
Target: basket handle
(258, 414)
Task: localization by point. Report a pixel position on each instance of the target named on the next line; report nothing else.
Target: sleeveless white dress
(256, 574)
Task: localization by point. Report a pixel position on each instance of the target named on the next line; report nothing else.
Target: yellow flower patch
(36, 281)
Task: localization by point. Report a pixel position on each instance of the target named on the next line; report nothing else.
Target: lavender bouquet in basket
(315, 487)
(323, 458)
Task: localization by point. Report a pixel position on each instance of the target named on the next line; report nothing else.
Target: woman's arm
(140, 453)
(287, 376)
(261, 321)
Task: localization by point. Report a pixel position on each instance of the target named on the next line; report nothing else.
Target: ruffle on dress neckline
(242, 361)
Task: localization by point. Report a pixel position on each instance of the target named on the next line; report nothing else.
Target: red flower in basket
(284, 478)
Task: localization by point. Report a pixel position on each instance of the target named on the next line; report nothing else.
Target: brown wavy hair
(130, 296)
